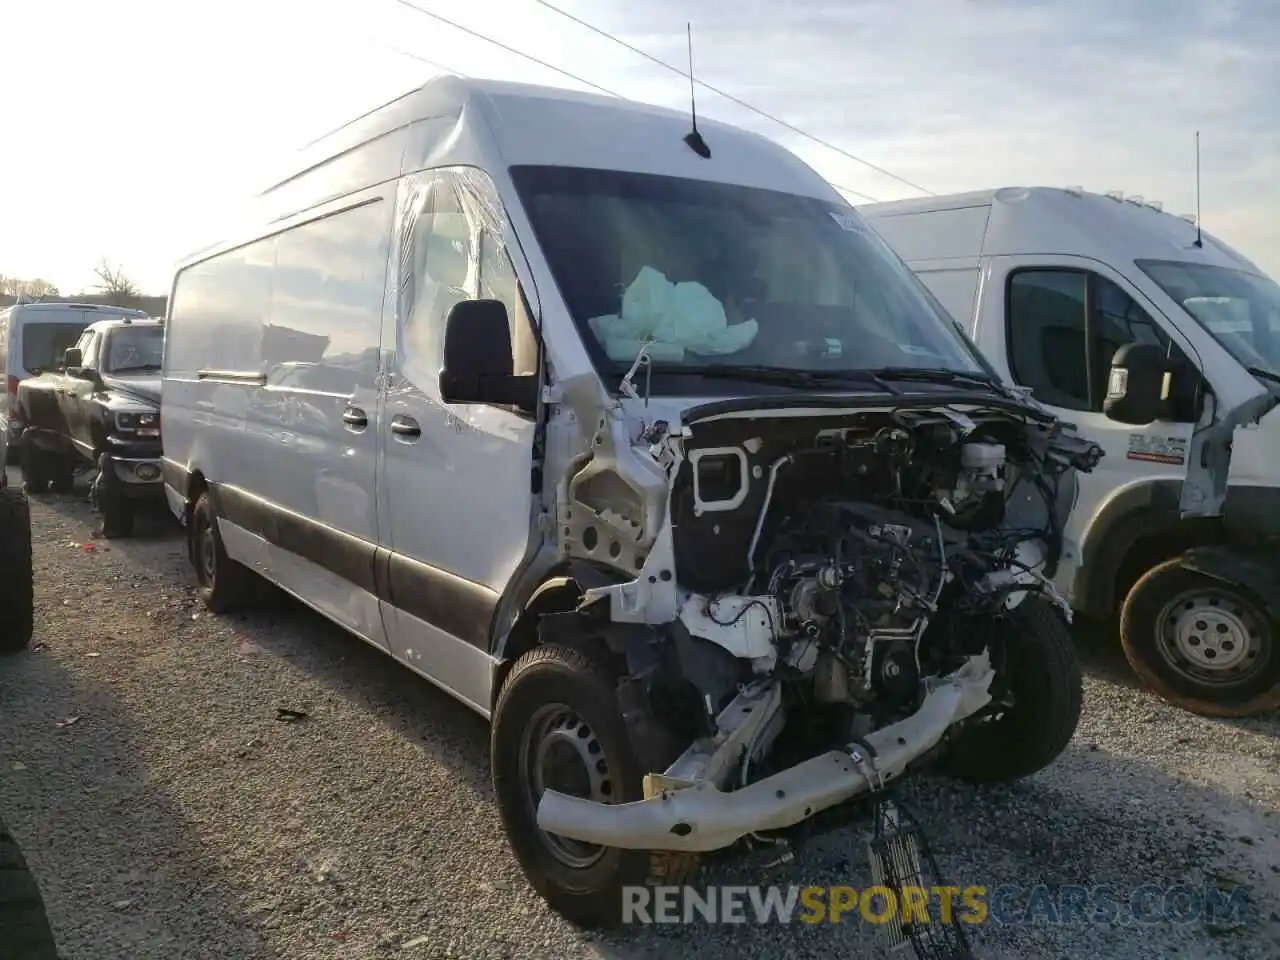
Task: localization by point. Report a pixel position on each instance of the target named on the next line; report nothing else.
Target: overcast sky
(131, 126)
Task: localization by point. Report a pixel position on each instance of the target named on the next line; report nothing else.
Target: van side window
(218, 311)
(325, 322)
(498, 281)
(441, 253)
(1065, 326)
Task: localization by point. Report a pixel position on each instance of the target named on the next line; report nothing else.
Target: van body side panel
(935, 235)
(955, 284)
(317, 408)
(271, 396)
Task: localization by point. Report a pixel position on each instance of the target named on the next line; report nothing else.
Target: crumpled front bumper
(702, 817)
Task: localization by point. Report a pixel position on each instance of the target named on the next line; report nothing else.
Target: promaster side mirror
(477, 358)
(1138, 386)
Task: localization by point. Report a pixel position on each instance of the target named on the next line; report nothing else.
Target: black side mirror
(72, 357)
(477, 358)
(1138, 387)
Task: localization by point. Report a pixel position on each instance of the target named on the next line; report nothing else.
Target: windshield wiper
(1264, 374)
(787, 376)
(937, 375)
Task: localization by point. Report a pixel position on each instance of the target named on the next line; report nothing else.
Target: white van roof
(58, 306)
(494, 125)
(590, 130)
(1042, 220)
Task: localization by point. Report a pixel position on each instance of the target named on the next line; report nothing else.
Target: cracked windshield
(713, 275)
(135, 350)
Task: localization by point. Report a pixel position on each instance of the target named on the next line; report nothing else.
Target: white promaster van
(33, 338)
(1165, 350)
(636, 440)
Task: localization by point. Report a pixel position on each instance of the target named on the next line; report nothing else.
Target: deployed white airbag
(675, 316)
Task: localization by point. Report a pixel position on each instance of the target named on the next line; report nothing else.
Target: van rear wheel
(224, 583)
(558, 725)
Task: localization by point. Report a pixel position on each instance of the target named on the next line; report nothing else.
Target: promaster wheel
(558, 725)
(1203, 644)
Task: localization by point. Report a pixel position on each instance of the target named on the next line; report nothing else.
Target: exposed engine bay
(840, 578)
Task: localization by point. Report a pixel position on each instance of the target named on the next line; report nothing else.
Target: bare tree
(114, 284)
(18, 287)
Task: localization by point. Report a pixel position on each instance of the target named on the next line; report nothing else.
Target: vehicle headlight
(141, 424)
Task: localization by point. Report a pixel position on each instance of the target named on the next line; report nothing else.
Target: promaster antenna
(693, 138)
(1198, 242)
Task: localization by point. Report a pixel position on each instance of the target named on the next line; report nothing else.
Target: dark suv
(100, 408)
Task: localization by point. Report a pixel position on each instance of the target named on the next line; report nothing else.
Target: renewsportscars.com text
(975, 904)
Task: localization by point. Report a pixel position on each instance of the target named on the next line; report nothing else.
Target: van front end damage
(688, 808)
(795, 602)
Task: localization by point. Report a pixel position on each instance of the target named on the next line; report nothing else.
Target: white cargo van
(1164, 350)
(33, 338)
(637, 441)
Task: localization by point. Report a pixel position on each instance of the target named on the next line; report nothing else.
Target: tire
(225, 585)
(62, 474)
(36, 472)
(116, 509)
(27, 935)
(548, 678)
(1175, 623)
(1043, 674)
(17, 602)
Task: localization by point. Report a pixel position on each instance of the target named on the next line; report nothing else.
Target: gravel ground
(177, 818)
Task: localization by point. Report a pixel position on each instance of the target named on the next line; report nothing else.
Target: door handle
(405, 428)
(355, 419)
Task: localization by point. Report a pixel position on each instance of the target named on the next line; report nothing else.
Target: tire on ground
(1044, 678)
(590, 896)
(23, 920)
(16, 597)
(225, 584)
(117, 510)
(36, 466)
(1139, 640)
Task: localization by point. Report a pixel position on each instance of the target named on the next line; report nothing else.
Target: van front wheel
(1202, 644)
(224, 583)
(558, 725)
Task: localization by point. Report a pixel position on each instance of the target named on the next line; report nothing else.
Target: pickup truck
(100, 408)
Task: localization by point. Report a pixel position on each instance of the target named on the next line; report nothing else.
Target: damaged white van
(633, 438)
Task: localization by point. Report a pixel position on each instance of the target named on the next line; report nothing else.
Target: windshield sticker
(848, 222)
(1152, 449)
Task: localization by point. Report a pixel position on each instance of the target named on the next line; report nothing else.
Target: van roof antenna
(693, 138)
(1198, 242)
